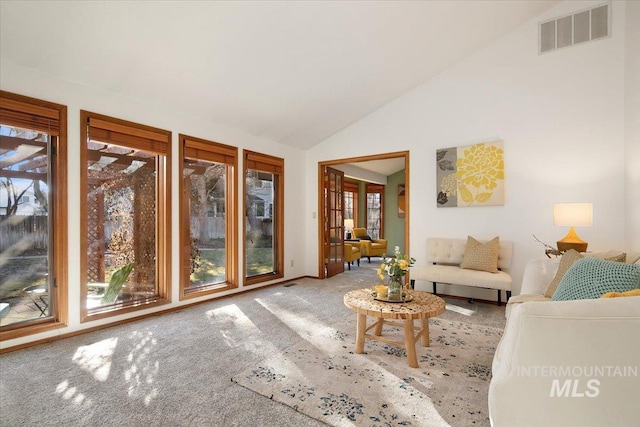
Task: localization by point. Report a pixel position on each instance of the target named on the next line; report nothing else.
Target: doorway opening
(326, 231)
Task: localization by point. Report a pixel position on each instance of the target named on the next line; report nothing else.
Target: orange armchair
(369, 248)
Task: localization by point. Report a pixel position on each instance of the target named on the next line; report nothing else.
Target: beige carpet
(175, 369)
(322, 377)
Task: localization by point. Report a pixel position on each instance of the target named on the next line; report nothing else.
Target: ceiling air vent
(570, 30)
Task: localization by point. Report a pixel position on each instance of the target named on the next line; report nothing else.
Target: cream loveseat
(566, 363)
(444, 257)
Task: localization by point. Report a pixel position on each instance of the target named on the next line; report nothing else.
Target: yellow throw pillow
(481, 256)
(633, 293)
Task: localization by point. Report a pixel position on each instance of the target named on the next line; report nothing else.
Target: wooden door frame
(321, 166)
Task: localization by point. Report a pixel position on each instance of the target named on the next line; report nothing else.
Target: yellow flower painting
(471, 175)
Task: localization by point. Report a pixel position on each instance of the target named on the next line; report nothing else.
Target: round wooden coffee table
(423, 306)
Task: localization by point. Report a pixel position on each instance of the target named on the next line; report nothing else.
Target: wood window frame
(353, 187)
(142, 137)
(196, 148)
(274, 165)
(51, 118)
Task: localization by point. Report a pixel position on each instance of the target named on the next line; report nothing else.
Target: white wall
(76, 97)
(632, 124)
(560, 115)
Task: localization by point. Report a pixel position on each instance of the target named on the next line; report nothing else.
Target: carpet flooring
(176, 369)
(323, 377)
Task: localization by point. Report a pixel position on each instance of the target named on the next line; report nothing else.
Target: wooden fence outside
(30, 232)
(26, 232)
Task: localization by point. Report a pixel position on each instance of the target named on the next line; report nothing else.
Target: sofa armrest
(546, 360)
(352, 245)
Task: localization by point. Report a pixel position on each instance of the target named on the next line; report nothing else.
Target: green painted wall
(393, 226)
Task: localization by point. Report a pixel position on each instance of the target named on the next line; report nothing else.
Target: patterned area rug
(323, 378)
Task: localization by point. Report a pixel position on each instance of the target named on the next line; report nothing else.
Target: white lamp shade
(348, 224)
(573, 214)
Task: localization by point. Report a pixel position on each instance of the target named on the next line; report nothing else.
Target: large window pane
(260, 240)
(205, 182)
(121, 220)
(350, 207)
(24, 225)
(375, 207)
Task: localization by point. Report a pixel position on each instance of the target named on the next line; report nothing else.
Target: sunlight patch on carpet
(96, 358)
(461, 310)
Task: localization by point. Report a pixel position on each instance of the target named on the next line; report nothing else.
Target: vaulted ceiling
(293, 72)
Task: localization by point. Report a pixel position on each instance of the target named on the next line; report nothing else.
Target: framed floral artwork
(471, 175)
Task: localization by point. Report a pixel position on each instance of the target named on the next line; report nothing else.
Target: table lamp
(348, 226)
(572, 215)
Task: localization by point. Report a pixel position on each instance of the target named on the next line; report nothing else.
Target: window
(33, 239)
(209, 222)
(259, 209)
(264, 228)
(351, 201)
(375, 208)
(125, 226)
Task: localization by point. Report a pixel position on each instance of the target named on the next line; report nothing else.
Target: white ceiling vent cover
(570, 30)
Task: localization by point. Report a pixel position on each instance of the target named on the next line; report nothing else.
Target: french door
(333, 221)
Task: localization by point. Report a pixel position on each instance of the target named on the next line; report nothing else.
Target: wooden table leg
(378, 329)
(410, 343)
(425, 332)
(361, 327)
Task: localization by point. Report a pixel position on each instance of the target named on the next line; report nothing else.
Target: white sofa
(566, 363)
(444, 257)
